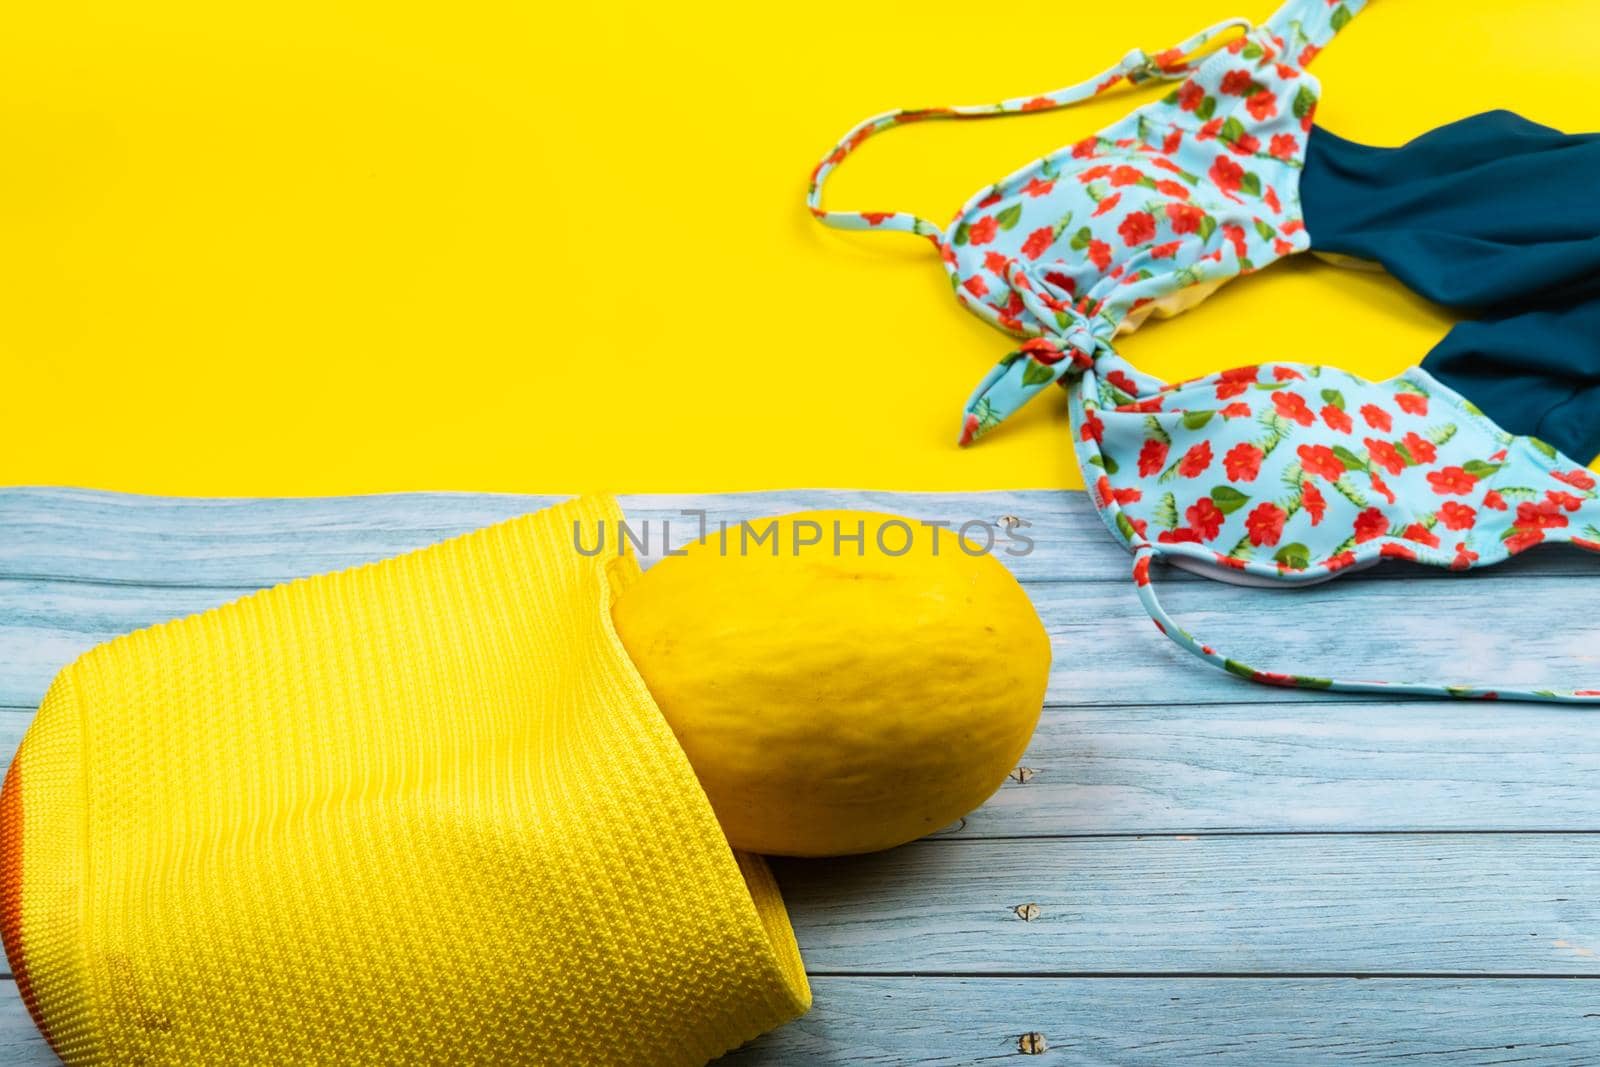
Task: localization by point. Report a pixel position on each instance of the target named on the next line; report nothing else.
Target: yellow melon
(839, 696)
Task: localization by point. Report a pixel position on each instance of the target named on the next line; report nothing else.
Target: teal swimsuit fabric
(1278, 472)
(1498, 217)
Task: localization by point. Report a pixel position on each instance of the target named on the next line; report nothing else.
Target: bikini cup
(1275, 474)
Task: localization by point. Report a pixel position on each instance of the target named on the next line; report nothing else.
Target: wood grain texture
(952, 1022)
(1177, 825)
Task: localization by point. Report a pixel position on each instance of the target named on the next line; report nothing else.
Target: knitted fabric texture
(420, 810)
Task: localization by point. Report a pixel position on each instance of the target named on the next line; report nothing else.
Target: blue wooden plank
(953, 1022)
(1241, 1022)
(1290, 904)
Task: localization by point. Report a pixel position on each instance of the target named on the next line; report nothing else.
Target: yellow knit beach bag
(417, 811)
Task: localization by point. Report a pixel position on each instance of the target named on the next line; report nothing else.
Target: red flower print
(1182, 535)
(1377, 418)
(1313, 501)
(1370, 524)
(1043, 350)
(1084, 149)
(1243, 462)
(1244, 144)
(1141, 570)
(1563, 500)
(1137, 228)
(1336, 419)
(1578, 479)
(996, 263)
(969, 430)
(1465, 557)
(1522, 539)
(1307, 54)
(875, 218)
(1235, 235)
(1292, 406)
(1543, 516)
(1125, 175)
(1283, 146)
(1341, 561)
(1270, 198)
(1165, 164)
(1130, 495)
(1061, 281)
(1185, 218)
(1227, 174)
(1166, 251)
(976, 286)
(1236, 380)
(1262, 105)
(1093, 428)
(1454, 480)
(1123, 382)
(1454, 516)
(1102, 491)
(1139, 525)
(1385, 455)
(1234, 410)
(1422, 450)
(1093, 174)
(1421, 535)
(1282, 247)
(1381, 486)
(1170, 143)
(1391, 550)
(983, 231)
(1236, 82)
(1411, 403)
(1205, 518)
(1196, 460)
(1172, 189)
(1106, 205)
(1493, 499)
(1152, 457)
(1038, 242)
(1039, 103)
(991, 200)
(1264, 524)
(1100, 254)
(1036, 188)
(1280, 373)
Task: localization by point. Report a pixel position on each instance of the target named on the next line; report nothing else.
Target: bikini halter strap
(1136, 68)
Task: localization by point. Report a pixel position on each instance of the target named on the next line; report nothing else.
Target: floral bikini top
(1265, 474)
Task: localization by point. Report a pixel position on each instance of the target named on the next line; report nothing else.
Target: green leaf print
(1334, 397)
(1109, 464)
(1207, 108)
(1036, 373)
(1231, 130)
(1251, 183)
(1267, 232)
(1545, 447)
(1228, 499)
(1193, 420)
(1351, 461)
(1125, 527)
(1304, 101)
(1339, 19)
(1479, 469)
(1296, 557)
(1251, 51)
(1243, 670)
(1293, 475)
(1404, 453)
(1346, 489)
(1208, 226)
(1440, 434)
(961, 234)
(1009, 217)
(1153, 427)
(1241, 549)
(1081, 239)
(1166, 513)
(1519, 492)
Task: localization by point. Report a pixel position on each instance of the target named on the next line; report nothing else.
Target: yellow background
(313, 247)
